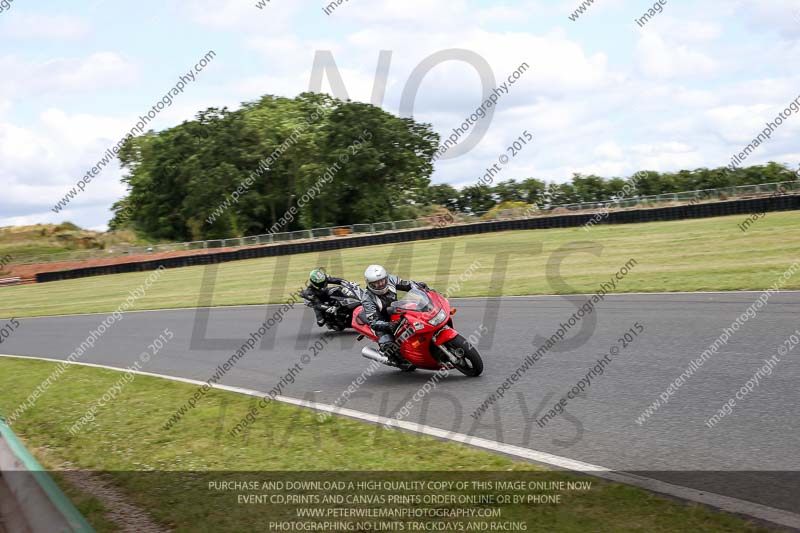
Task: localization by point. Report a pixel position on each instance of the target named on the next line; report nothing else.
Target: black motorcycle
(338, 308)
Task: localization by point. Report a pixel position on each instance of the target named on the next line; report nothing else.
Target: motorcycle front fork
(451, 357)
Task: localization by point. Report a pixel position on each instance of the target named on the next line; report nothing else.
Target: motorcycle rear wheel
(470, 362)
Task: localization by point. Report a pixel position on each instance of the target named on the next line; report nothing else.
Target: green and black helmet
(318, 278)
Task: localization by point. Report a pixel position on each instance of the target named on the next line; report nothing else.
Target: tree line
(590, 188)
(181, 178)
(234, 173)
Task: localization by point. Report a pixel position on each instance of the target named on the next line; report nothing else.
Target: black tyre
(470, 362)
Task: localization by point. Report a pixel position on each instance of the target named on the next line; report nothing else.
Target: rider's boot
(388, 347)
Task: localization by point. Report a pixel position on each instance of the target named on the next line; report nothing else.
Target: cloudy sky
(602, 95)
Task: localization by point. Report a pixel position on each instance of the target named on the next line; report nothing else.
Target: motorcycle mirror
(453, 311)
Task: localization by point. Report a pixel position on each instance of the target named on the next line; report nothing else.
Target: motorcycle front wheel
(469, 360)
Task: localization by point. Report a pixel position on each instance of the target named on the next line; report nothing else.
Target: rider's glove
(381, 325)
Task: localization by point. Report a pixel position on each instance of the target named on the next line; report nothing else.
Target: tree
(444, 195)
(476, 199)
(532, 189)
(510, 191)
(276, 163)
(590, 188)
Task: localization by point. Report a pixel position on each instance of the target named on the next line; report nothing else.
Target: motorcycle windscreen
(415, 300)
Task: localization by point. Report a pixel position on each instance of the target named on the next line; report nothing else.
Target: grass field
(127, 439)
(19, 242)
(687, 255)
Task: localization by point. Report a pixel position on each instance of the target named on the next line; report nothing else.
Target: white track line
(223, 307)
(725, 503)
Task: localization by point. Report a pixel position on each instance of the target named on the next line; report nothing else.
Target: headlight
(438, 319)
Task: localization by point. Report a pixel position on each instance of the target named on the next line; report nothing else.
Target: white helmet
(377, 279)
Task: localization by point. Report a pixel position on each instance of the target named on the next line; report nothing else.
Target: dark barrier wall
(737, 207)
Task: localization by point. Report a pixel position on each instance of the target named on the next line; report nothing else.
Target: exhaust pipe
(374, 355)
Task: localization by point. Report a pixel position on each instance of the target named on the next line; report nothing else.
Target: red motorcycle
(423, 329)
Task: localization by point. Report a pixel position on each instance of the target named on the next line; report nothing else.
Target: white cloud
(5, 106)
(517, 12)
(97, 71)
(105, 69)
(684, 92)
(40, 162)
(782, 16)
(687, 31)
(43, 26)
(609, 150)
(659, 59)
(242, 15)
(421, 13)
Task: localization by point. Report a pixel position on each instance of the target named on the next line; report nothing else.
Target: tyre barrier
(680, 212)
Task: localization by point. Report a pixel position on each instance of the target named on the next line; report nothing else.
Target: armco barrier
(705, 210)
(32, 500)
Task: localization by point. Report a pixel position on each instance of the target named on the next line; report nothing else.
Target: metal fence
(687, 197)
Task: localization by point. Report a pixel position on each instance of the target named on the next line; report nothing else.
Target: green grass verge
(687, 255)
(95, 511)
(127, 436)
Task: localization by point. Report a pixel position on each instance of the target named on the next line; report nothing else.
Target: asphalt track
(752, 454)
